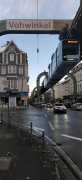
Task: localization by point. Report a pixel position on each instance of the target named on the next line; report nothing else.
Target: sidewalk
(22, 160)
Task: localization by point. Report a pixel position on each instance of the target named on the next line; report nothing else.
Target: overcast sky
(27, 9)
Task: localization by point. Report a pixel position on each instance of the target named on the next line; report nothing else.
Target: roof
(3, 48)
(6, 45)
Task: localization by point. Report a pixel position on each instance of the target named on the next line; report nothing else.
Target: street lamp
(20, 101)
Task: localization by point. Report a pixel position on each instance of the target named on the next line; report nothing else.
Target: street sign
(6, 88)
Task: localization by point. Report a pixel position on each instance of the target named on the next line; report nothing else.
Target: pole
(8, 110)
(20, 108)
(2, 103)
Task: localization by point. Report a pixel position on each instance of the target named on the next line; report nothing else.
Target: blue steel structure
(66, 56)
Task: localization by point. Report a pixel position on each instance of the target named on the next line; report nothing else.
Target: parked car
(59, 107)
(49, 105)
(76, 106)
(67, 104)
(43, 105)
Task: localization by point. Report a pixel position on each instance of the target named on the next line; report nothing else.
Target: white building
(13, 68)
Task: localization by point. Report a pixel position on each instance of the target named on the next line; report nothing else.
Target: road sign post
(20, 103)
(6, 82)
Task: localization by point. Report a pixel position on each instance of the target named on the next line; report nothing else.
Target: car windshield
(59, 104)
(77, 104)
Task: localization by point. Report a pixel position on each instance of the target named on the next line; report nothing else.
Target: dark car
(59, 107)
(76, 106)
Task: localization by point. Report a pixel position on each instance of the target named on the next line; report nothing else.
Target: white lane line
(33, 127)
(72, 137)
(39, 129)
(51, 126)
(46, 115)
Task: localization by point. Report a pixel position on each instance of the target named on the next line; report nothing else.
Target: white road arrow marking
(72, 137)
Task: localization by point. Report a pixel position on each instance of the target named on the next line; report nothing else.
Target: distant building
(65, 90)
(13, 67)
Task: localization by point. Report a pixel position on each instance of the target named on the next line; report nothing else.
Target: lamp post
(20, 103)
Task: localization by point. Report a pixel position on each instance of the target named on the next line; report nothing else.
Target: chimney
(7, 42)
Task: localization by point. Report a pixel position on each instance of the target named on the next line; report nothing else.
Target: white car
(49, 105)
(59, 107)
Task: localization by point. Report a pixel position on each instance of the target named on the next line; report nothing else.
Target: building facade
(13, 70)
(64, 90)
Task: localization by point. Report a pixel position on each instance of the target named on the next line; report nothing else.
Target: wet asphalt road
(64, 129)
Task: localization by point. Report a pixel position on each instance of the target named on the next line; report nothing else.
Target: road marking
(72, 137)
(51, 126)
(33, 127)
(46, 115)
(39, 129)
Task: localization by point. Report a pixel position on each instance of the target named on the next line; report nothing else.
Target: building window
(14, 69)
(20, 70)
(12, 84)
(16, 84)
(3, 70)
(9, 69)
(12, 57)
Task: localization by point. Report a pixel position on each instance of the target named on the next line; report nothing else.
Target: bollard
(55, 173)
(1, 118)
(44, 151)
(10, 121)
(21, 127)
(31, 132)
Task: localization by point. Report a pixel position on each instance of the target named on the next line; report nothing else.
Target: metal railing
(41, 138)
